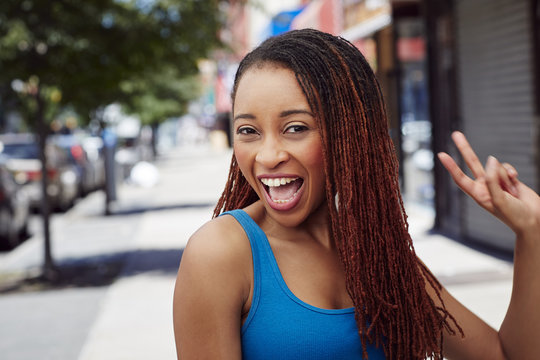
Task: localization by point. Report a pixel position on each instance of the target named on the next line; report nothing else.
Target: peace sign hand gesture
(496, 188)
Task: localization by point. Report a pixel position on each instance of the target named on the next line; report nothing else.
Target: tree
(160, 96)
(82, 53)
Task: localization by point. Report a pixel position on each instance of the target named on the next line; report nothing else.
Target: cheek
(244, 159)
(239, 154)
(314, 159)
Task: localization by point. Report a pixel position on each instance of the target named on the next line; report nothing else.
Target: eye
(296, 128)
(246, 130)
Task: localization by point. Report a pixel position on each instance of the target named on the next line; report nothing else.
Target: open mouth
(282, 190)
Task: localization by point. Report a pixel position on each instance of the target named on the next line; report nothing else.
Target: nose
(271, 154)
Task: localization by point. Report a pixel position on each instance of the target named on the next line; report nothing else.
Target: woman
(318, 263)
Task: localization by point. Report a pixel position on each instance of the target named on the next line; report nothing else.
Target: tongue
(284, 192)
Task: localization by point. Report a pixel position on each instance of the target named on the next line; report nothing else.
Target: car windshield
(21, 151)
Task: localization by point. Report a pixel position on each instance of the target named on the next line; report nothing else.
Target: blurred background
(115, 139)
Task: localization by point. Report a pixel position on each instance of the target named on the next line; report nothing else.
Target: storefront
(391, 34)
(483, 81)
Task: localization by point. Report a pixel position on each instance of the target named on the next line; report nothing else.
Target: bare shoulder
(217, 259)
(212, 286)
(221, 240)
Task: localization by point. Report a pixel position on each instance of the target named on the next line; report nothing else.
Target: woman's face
(277, 144)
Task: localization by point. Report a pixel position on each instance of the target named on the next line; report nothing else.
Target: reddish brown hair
(384, 277)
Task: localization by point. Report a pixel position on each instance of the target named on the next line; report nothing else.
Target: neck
(316, 226)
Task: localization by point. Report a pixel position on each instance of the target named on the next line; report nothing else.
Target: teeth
(284, 201)
(272, 182)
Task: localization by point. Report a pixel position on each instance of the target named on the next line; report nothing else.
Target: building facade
(484, 69)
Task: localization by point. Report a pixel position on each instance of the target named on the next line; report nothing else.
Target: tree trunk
(50, 271)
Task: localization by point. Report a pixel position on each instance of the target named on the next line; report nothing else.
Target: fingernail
(510, 171)
(491, 161)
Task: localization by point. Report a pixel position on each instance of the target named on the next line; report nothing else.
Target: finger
(511, 210)
(513, 176)
(468, 154)
(460, 178)
(499, 197)
(512, 172)
(505, 180)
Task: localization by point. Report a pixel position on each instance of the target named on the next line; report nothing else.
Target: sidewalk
(135, 321)
(133, 316)
(139, 247)
(479, 281)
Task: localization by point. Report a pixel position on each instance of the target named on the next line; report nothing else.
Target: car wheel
(11, 236)
(62, 202)
(23, 232)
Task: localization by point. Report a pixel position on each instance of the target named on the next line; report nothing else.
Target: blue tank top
(281, 326)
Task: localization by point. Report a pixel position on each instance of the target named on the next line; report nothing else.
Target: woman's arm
(211, 287)
(497, 189)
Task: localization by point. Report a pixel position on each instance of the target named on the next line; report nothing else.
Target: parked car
(14, 209)
(84, 154)
(23, 162)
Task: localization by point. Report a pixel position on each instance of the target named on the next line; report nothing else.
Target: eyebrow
(293, 112)
(282, 114)
(243, 116)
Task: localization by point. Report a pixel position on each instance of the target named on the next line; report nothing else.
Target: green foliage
(95, 52)
(160, 95)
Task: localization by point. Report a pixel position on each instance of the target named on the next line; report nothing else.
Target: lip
(285, 206)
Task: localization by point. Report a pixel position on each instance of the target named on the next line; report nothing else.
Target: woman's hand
(496, 188)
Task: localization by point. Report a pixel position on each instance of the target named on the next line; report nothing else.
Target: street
(115, 300)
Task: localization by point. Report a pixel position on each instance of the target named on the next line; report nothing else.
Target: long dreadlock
(384, 277)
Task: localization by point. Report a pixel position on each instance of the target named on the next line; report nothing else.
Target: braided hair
(384, 278)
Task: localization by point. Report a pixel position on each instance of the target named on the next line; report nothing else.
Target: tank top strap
(257, 240)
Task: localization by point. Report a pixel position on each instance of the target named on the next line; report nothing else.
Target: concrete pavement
(136, 317)
(482, 282)
(131, 318)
